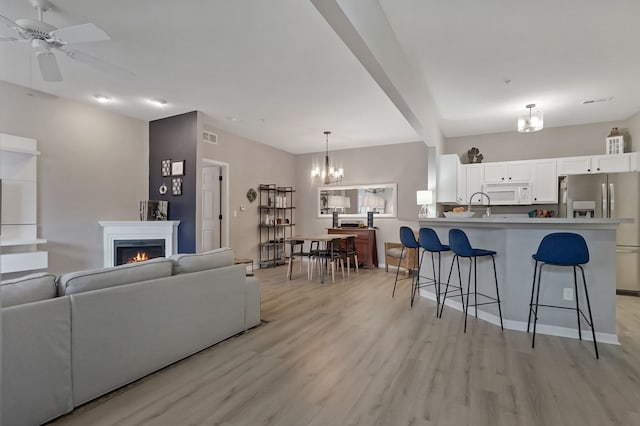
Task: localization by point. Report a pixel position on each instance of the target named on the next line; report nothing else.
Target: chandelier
(531, 122)
(329, 173)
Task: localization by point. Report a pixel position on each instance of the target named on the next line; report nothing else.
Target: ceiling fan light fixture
(531, 122)
(103, 99)
(158, 102)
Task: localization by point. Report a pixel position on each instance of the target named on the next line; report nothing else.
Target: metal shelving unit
(276, 222)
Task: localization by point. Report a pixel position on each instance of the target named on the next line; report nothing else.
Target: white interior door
(211, 233)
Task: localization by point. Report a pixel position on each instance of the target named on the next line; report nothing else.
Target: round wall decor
(251, 195)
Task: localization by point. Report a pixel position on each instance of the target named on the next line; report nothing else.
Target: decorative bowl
(459, 214)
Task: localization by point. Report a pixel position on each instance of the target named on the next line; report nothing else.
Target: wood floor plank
(347, 353)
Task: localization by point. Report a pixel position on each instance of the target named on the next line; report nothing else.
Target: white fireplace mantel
(138, 230)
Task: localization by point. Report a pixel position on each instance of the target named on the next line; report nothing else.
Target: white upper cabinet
(473, 183)
(448, 181)
(509, 171)
(544, 181)
(495, 172)
(611, 163)
(619, 163)
(574, 165)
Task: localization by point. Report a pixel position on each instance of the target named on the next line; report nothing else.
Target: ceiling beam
(364, 28)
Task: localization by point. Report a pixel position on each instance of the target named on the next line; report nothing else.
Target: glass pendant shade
(531, 122)
(329, 174)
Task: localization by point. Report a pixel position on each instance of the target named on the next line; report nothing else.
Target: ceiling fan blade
(99, 64)
(8, 39)
(8, 22)
(83, 33)
(48, 66)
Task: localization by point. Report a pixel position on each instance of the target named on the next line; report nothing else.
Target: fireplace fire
(139, 257)
(130, 251)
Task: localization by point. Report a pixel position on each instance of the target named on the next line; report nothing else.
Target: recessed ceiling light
(102, 98)
(158, 102)
(231, 118)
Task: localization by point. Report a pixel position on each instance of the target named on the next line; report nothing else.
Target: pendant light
(531, 122)
(329, 173)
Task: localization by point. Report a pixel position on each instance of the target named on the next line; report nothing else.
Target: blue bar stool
(461, 247)
(429, 241)
(562, 249)
(408, 241)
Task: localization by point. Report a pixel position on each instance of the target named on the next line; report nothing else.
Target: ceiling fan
(45, 39)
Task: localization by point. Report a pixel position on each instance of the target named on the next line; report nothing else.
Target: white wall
(587, 139)
(633, 128)
(93, 166)
(250, 164)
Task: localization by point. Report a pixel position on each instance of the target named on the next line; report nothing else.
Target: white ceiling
(275, 72)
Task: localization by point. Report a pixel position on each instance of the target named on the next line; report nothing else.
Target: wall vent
(596, 101)
(209, 137)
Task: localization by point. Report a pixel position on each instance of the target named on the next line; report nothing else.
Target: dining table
(324, 239)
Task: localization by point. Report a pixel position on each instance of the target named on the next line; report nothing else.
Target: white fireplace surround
(166, 230)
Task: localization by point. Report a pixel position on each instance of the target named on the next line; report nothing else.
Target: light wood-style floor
(349, 354)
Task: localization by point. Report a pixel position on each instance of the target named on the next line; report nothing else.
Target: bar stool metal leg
(593, 329)
(446, 289)
(495, 274)
(397, 271)
(575, 286)
(533, 287)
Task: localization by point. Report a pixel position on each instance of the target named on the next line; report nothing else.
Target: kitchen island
(515, 239)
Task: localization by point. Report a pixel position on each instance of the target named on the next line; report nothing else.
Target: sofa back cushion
(30, 288)
(183, 263)
(81, 281)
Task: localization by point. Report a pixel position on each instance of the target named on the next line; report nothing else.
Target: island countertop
(507, 221)
(515, 239)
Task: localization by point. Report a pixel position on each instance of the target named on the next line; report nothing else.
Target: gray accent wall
(404, 164)
(176, 138)
(568, 141)
(93, 166)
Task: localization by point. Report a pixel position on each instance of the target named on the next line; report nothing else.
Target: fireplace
(131, 251)
(122, 240)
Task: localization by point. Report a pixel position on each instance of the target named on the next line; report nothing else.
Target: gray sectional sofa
(69, 340)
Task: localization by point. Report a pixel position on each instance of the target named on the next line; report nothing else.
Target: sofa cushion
(81, 281)
(30, 288)
(217, 258)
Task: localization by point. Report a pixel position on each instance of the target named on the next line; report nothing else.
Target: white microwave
(508, 193)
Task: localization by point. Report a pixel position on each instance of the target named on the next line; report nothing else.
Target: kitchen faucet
(488, 212)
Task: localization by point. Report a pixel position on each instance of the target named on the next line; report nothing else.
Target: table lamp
(424, 197)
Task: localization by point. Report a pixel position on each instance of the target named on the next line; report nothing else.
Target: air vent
(595, 101)
(209, 137)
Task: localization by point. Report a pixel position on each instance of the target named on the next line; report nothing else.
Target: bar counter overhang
(515, 239)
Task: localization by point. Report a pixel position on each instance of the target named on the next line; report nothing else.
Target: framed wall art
(176, 186)
(177, 168)
(166, 168)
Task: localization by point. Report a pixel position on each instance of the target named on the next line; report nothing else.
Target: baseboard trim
(551, 330)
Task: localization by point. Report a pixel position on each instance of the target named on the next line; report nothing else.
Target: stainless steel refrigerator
(615, 195)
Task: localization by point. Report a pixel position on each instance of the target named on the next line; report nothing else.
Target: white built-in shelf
(22, 242)
(18, 171)
(27, 261)
(19, 151)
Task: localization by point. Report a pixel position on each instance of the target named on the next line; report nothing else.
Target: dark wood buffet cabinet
(366, 246)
